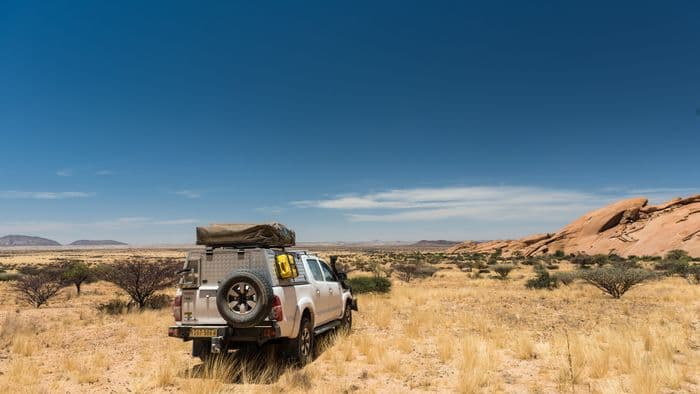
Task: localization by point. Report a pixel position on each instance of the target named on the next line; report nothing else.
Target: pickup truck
(233, 298)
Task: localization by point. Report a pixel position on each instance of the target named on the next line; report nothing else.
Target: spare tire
(244, 298)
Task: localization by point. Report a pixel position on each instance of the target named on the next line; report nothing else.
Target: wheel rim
(242, 298)
(305, 342)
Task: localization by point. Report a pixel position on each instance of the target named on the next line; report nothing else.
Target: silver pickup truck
(230, 298)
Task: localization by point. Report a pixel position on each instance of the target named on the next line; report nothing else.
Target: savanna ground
(447, 333)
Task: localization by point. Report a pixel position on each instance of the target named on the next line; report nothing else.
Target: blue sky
(356, 121)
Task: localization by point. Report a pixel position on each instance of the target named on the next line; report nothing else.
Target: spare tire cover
(244, 298)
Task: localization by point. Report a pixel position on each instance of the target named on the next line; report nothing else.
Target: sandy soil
(448, 333)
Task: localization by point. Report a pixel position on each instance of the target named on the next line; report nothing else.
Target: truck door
(320, 292)
(335, 292)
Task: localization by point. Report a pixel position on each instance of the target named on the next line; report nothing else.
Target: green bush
(677, 255)
(6, 276)
(503, 270)
(370, 284)
(543, 280)
(616, 281)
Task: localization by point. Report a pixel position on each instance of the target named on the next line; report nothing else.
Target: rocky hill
(627, 227)
(96, 242)
(26, 240)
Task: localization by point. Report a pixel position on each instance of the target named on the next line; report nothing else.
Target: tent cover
(259, 235)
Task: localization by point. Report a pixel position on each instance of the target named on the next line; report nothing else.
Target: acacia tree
(616, 281)
(141, 279)
(77, 273)
(411, 270)
(38, 288)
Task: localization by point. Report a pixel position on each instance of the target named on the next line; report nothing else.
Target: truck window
(327, 272)
(315, 270)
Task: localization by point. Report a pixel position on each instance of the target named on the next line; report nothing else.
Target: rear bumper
(260, 333)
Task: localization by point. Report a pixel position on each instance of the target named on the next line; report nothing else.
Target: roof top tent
(272, 235)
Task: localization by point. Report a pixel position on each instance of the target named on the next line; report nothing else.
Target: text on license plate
(202, 332)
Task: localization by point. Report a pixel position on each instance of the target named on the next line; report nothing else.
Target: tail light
(177, 308)
(276, 313)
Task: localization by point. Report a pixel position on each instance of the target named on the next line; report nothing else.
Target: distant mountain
(436, 243)
(26, 240)
(96, 242)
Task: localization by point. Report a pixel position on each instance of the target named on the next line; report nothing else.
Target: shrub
(693, 274)
(600, 259)
(115, 306)
(566, 278)
(493, 258)
(674, 267)
(559, 254)
(140, 279)
(411, 270)
(37, 289)
(582, 260)
(543, 280)
(77, 273)
(503, 270)
(616, 281)
(370, 284)
(159, 301)
(552, 266)
(678, 255)
(6, 276)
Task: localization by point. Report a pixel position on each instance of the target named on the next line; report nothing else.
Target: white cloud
(492, 203)
(65, 172)
(17, 194)
(104, 173)
(188, 193)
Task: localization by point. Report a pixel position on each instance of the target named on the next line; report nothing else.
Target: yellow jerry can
(286, 266)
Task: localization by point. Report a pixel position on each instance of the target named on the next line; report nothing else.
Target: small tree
(677, 255)
(411, 270)
(141, 279)
(503, 270)
(77, 273)
(616, 281)
(38, 288)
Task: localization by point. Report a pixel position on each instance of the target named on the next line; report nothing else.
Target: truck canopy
(272, 235)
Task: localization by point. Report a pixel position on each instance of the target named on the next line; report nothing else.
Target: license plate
(203, 332)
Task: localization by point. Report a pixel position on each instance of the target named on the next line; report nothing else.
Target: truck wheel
(346, 320)
(244, 298)
(302, 347)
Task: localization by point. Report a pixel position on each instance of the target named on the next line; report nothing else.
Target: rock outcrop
(627, 227)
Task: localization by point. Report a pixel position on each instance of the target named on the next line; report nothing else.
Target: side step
(326, 327)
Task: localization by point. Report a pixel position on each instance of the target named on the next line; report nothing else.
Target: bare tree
(140, 279)
(38, 288)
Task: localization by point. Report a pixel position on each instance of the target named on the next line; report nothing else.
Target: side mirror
(342, 276)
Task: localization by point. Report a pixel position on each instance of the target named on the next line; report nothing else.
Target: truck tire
(301, 348)
(244, 298)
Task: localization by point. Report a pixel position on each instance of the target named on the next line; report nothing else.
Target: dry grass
(446, 334)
